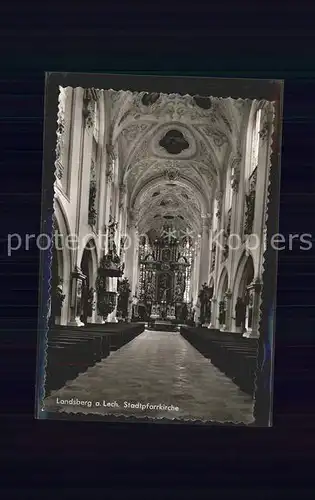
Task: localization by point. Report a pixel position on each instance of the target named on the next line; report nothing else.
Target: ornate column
(196, 272)
(236, 171)
(77, 278)
(220, 220)
(262, 181)
(228, 312)
(60, 145)
(235, 182)
(213, 322)
(204, 253)
(130, 251)
(89, 117)
(120, 214)
(135, 261)
(94, 318)
(131, 259)
(110, 161)
(191, 292)
(254, 290)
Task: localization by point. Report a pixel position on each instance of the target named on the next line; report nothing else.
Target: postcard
(158, 257)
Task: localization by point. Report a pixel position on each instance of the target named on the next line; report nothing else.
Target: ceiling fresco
(174, 151)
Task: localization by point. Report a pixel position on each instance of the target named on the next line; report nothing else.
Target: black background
(144, 38)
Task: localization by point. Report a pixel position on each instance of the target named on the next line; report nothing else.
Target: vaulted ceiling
(173, 150)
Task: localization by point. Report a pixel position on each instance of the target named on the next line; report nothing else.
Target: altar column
(135, 262)
(130, 253)
(121, 218)
(228, 312)
(77, 278)
(113, 281)
(196, 273)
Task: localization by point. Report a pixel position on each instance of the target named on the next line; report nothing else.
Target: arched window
(255, 143)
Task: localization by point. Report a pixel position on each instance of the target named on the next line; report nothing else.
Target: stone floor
(156, 368)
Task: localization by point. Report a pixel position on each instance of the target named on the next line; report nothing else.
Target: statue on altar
(164, 295)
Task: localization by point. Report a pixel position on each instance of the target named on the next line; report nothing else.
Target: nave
(157, 367)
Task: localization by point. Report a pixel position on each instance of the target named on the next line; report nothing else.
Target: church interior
(159, 238)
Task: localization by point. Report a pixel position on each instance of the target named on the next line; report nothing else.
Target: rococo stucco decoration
(197, 130)
(171, 174)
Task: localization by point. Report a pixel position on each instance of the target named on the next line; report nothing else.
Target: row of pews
(72, 350)
(231, 353)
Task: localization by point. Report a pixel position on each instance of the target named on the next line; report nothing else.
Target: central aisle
(157, 368)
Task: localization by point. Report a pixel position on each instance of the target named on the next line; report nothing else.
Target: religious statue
(164, 295)
(164, 288)
(180, 287)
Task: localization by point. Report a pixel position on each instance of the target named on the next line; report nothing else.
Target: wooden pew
(232, 354)
(71, 350)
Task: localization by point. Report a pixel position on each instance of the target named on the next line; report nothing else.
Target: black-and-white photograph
(160, 212)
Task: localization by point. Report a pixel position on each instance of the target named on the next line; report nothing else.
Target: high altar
(164, 277)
